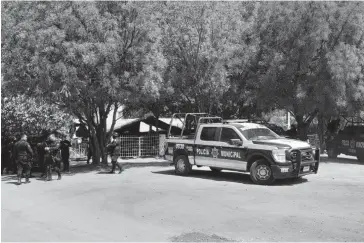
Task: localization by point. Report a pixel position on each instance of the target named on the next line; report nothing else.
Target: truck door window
(227, 134)
(208, 134)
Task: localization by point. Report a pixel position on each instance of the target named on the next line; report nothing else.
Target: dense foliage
(21, 114)
(231, 59)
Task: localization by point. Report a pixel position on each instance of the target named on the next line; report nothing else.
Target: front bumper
(298, 169)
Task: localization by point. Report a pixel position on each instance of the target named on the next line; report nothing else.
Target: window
(208, 133)
(259, 134)
(227, 134)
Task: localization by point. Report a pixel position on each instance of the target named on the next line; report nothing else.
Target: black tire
(360, 158)
(332, 153)
(261, 173)
(182, 165)
(213, 169)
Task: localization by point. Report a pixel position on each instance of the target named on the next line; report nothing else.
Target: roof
(247, 125)
(145, 122)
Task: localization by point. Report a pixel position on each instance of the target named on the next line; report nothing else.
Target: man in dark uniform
(292, 133)
(114, 149)
(21, 153)
(50, 159)
(7, 162)
(41, 155)
(89, 151)
(65, 154)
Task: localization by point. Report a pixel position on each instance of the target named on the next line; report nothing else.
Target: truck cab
(244, 147)
(349, 140)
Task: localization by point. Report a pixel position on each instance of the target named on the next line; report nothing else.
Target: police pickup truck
(245, 147)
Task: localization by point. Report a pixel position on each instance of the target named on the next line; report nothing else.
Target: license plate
(306, 168)
(284, 170)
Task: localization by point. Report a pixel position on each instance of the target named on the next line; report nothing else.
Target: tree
(32, 116)
(297, 41)
(85, 57)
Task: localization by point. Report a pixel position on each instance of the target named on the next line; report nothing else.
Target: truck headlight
(279, 155)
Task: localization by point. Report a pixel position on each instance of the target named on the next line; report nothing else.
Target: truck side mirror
(237, 142)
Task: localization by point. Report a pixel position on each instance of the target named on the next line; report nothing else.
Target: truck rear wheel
(181, 165)
(261, 173)
(332, 153)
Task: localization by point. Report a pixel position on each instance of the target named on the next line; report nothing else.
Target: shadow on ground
(82, 168)
(229, 176)
(352, 161)
(128, 165)
(199, 237)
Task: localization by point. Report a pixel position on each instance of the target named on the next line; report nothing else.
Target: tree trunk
(302, 125)
(321, 132)
(95, 151)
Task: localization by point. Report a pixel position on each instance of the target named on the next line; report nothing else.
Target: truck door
(231, 156)
(204, 145)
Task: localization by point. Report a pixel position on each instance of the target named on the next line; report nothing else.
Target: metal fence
(78, 150)
(139, 146)
(131, 147)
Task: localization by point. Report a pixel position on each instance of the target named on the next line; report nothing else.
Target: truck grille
(306, 155)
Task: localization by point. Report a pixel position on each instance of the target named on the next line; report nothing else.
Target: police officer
(51, 161)
(292, 133)
(21, 153)
(114, 149)
(89, 151)
(41, 155)
(65, 154)
(7, 162)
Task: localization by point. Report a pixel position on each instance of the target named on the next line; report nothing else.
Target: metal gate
(131, 147)
(140, 146)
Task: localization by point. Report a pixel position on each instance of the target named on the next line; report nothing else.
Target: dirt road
(152, 204)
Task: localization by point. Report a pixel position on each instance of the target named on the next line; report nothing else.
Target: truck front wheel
(261, 173)
(182, 166)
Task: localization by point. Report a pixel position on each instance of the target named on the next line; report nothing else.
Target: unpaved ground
(152, 204)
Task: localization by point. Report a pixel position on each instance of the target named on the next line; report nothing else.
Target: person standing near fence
(114, 149)
(51, 160)
(89, 151)
(22, 153)
(6, 155)
(65, 154)
(41, 154)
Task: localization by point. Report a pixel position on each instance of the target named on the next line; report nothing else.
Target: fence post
(140, 148)
(162, 138)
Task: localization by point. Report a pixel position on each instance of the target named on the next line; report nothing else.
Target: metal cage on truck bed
(191, 121)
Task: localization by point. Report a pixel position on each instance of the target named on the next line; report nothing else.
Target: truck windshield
(258, 134)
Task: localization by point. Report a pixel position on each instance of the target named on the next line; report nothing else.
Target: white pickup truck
(246, 147)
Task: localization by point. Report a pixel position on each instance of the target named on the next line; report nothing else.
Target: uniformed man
(292, 133)
(7, 162)
(65, 153)
(89, 151)
(22, 153)
(41, 155)
(114, 149)
(52, 162)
